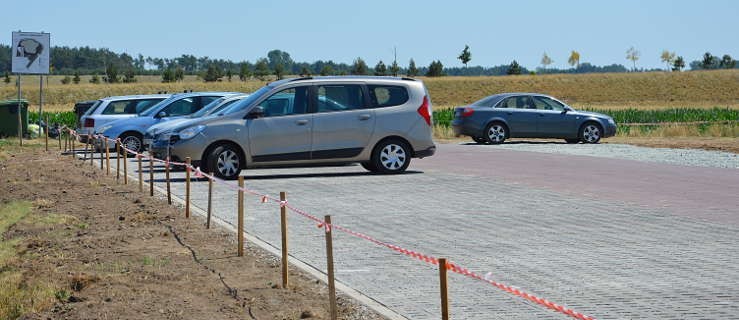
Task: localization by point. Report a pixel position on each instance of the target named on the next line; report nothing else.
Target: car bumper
(180, 150)
(463, 128)
(609, 130)
(430, 151)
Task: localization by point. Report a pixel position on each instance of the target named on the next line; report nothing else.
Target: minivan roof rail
(407, 78)
(301, 78)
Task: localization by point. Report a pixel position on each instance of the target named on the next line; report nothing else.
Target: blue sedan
(529, 115)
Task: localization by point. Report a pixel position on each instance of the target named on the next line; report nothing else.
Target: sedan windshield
(150, 111)
(208, 108)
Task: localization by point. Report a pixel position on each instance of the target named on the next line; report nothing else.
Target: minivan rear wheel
(391, 156)
(225, 162)
(368, 166)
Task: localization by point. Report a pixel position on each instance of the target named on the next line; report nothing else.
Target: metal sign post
(20, 107)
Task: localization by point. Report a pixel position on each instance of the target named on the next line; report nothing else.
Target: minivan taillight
(89, 122)
(424, 110)
(466, 112)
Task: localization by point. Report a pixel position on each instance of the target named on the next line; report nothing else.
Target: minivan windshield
(241, 105)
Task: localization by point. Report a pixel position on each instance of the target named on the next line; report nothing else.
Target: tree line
(108, 66)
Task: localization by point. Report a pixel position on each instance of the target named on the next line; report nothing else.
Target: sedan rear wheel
(480, 140)
(590, 133)
(391, 156)
(496, 133)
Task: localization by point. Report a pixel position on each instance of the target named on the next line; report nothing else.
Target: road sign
(31, 52)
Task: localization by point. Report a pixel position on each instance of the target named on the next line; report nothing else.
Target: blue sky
(496, 31)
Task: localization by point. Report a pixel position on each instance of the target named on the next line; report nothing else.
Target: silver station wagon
(380, 122)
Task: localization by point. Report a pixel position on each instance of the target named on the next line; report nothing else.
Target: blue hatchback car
(529, 115)
(131, 131)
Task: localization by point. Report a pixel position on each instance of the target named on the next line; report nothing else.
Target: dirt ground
(120, 254)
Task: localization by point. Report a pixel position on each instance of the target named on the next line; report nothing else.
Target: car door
(520, 116)
(284, 132)
(342, 122)
(553, 122)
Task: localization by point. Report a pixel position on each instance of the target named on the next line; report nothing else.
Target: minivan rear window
(387, 96)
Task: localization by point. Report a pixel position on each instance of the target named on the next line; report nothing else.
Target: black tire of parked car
(588, 129)
(389, 150)
(133, 141)
(230, 158)
(480, 140)
(572, 140)
(368, 166)
(500, 128)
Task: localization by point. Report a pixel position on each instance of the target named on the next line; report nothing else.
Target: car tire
(590, 132)
(225, 162)
(133, 141)
(571, 141)
(368, 166)
(496, 133)
(391, 156)
(480, 140)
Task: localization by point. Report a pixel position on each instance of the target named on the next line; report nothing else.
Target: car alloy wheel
(591, 133)
(496, 133)
(132, 143)
(227, 163)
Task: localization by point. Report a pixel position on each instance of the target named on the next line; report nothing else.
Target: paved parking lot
(609, 238)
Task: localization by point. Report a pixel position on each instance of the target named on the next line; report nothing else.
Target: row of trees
(111, 67)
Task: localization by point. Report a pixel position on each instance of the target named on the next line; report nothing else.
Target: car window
(286, 102)
(544, 103)
(129, 106)
(487, 102)
(204, 101)
(387, 96)
(180, 107)
(339, 98)
(92, 108)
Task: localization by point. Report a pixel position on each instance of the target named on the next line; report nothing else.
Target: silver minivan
(380, 122)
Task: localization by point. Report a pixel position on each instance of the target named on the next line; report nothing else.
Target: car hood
(589, 114)
(166, 126)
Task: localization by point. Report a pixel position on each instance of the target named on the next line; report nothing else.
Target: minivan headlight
(191, 132)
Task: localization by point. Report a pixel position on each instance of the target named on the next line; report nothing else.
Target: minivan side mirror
(161, 114)
(256, 112)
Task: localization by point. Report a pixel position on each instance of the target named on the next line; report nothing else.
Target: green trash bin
(9, 117)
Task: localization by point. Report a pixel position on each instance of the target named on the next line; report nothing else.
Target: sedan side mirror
(161, 114)
(255, 113)
(566, 109)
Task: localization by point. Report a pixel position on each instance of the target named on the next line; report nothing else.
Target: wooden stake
(117, 161)
(444, 288)
(166, 177)
(210, 201)
(102, 156)
(107, 157)
(66, 139)
(72, 138)
(187, 187)
(151, 176)
(240, 229)
(125, 166)
(283, 229)
(87, 142)
(330, 267)
(141, 175)
(92, 151)
(47, 133)
(60, 139)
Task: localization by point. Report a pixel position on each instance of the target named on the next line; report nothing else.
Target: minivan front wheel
(391, 156)
(225, 162)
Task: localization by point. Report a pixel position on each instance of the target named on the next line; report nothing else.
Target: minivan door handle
(301, 122)
(364, 117)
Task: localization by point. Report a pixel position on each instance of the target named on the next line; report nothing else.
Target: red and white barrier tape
(321, 224)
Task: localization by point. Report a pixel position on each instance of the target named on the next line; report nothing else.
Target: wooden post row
(107, 157)
(117, 161)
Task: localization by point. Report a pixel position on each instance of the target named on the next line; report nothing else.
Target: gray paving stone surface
(604, 258)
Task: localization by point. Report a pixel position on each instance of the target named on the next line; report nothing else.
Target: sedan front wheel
(590, 133)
